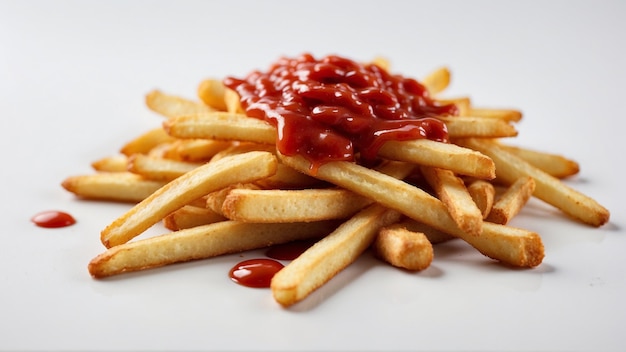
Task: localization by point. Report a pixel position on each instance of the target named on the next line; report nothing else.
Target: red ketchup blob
(288, 251)
(256, 273)
(53, 219)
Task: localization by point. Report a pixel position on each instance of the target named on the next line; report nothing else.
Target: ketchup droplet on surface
(53, 219)
(288, 251)
(255, 272)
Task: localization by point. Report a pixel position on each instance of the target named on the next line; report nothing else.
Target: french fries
(215, 179)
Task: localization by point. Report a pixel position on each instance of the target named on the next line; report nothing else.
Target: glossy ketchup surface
(337, 109)
(53, 218)
(255, 272)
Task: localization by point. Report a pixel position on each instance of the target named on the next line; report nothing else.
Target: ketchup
(53, 218)
(337, 109)
(255, 272)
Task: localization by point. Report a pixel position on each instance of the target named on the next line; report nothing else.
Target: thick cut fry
(553, 164)
(112, 186)
(483, 193)
(181, 191)
(451, 190)
(221, 125)
(172, 106)
(231, 99)
(547, 188)
(215, 200)
(158, 168)
(501, 114)
(515, 247)
(116, 163)
(457, 159)
(437, 80)
(512, 200)
(325, 259)
(201, 242)
(211, 92)
(144, 143)
(482, 127)
(191, 216)
(195, 150)
(403, 248)
(292, 205)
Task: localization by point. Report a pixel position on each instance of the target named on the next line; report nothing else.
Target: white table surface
(73, 76)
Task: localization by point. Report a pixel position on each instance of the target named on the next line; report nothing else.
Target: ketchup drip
(337, 109)
(256, 273)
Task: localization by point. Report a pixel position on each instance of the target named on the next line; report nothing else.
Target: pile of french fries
(215, 180)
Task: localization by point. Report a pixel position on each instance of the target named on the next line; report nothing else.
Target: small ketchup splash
(289, 251)
(256, 273)
(53, 219)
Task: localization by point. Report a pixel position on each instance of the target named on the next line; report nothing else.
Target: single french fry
(201, 242)
(231, 100)
(483, 193)
(186, 188)
(195, 150)
(116, 163)
(553, 164)
(211, 92)
(451, 190)
(215, 200)
(325, 259)
(173, 106)
(304, 205)
(437, 80)
(515, 247)
(191, 216)
(482, 127)
(144, 143)
(158, 168)
(508, 115)
(547, 188)
(119, 186)
(403, 248)
(512, 200)
(288, 178)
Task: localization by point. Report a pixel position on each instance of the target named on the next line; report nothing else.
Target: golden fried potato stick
(231, 99)
(508, 115)
(403, 248)
(437, 81)
(547, 188)
(201, 242)
(553, 164)
(159, 169)
(515, 247)
(326, 258)
(112, 186)
(483, 127)
(172, 106)
(483, 193)
(186, 188)
(115, 163)
(451, 190)
(145, 142)
(191, 216)
(211, 91)
(195, 150)
(215, 200)
(305, 205)
(512, 200)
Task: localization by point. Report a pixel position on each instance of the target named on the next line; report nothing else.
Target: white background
(73, 76)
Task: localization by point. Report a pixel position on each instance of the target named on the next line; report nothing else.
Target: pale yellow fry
(403, 248)
(304, 205)
(516, 247)
(547, 188)
(483, 193)
(215, 200)
(437, 80)
(512, 200)
(221, 125)
(451, 190)
(325, 259)
(288, 178)
(115, 163)
(195, 150)
(120, 186)
(211, 92)
(145, 142)
(509, 115)
(482, 127)
(232, 102)
(463, 161)
(200, 242)
(186, 188)
(173, 106)
(158, 168)
(191, 216)
(553, 164)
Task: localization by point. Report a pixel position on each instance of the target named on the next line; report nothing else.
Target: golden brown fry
(305, 205)
(215, 200)
(437, 80)
(191, 216)
(325, 259)
(231, 100)
(186, 188)
(172, 106)
(483, 193)
(553, 164)
(117, 163)
(512, 200)
(200, 242)
(451, 190)
(158, 168)
(515, 247)
(508, 115)
(195, 150)
(112, 186)
(403, 248)
(483, 127)
(211, 92)
(144, 143)
(547, 188)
